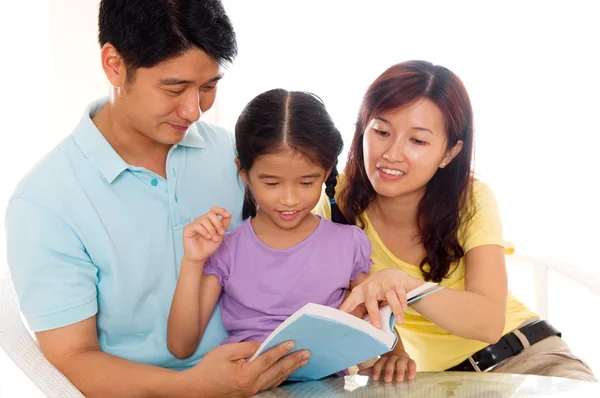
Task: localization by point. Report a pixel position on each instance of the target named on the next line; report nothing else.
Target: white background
(531, 68)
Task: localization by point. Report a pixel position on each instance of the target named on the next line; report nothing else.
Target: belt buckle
(475, 364)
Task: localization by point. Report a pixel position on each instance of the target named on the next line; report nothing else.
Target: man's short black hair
(147, 32)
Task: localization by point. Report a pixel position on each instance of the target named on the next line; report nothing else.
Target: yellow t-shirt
(433, 348)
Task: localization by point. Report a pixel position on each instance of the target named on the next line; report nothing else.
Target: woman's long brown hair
(445, 203)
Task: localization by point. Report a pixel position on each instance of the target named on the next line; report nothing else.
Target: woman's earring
(443, 164)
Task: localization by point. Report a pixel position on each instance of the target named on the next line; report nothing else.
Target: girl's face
(403, 149)
(286, 186)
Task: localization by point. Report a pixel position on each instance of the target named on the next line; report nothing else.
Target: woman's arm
(479, 311)
(194, 302)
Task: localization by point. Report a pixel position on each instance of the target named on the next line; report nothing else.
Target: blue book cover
(337, 340)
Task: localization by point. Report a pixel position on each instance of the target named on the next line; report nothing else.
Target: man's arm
(51, 270)
(75, 351)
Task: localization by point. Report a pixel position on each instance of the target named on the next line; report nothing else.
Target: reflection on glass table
(441, 384)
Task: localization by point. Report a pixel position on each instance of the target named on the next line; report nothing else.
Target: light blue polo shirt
(89, 234)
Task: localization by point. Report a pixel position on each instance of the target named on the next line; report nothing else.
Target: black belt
(508, 346)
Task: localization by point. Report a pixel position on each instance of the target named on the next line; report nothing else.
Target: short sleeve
(485, 226)
(54, 277)
(219, 264)
(362, 253)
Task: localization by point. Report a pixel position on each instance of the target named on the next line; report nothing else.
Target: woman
(408, 183)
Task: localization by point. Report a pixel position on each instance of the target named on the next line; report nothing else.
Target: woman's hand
(203, 236)
(389, 285)
(394, 362)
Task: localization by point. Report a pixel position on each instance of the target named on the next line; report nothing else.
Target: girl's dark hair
(279, 119)
(445, 203)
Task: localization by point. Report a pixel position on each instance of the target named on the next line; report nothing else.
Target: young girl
(283, 256)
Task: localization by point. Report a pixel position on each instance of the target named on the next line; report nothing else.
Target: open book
(336, 339)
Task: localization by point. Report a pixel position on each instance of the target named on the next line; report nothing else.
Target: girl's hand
(398, 363)
(203, 236)
(389, 285)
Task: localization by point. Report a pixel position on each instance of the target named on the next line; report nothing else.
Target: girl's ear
(328, 173)
(243, 174)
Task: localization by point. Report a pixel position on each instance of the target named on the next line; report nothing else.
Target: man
(94, 230)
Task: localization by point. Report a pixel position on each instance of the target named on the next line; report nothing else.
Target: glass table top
(441, 384)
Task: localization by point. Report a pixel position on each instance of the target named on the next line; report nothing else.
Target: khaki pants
(549, 357)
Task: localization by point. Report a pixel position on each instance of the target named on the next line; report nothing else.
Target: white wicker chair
(24, 351)
(563, 294)
(540, 270)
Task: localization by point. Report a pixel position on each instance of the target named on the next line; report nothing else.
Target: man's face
(162, 101)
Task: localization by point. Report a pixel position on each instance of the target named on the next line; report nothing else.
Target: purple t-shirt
(262, 286)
